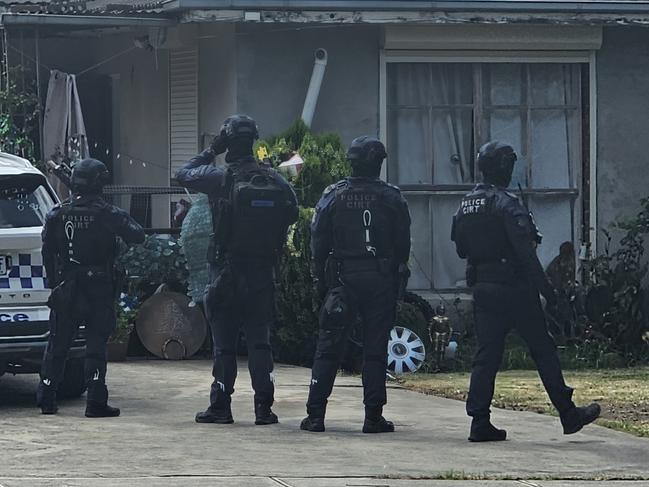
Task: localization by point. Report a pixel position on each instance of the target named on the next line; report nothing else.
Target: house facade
(564, 82)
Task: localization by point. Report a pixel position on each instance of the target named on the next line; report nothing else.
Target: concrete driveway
(156, 442)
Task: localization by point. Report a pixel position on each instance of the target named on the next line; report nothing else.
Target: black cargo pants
(93, 305)
(241, 293)
(497, 309)
(373, 297)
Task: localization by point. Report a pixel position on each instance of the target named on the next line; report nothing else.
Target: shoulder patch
(329, 189)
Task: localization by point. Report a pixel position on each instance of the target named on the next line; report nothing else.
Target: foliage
(616, 280)
(324, 160)
(157, 261)
(297, 303)
(410, 316)
(19, 111)
(125, 313)
(195, 239)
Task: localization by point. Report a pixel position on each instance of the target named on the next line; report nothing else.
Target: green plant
(126, 310)
(297, 302)
(323, 155)
(19, 111)
(618, 276)
(157, 261)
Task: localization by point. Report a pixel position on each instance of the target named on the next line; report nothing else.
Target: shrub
(157, 261)
(19, 112)
(324, 160)
(615, 280)
(297, 303)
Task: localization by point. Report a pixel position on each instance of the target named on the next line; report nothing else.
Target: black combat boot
(215, 415)
(483, 430)
(578, 417)
(46, 398)
(375, 422)
(98, 410)
(314, 421)
(264, 415)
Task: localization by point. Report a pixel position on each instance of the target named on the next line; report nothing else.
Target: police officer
(242, 257)
(360, 243)
(498, 237)
(79, 247)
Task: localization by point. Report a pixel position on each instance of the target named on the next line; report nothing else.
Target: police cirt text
(81, 222)
(473, 205)
(358, 201)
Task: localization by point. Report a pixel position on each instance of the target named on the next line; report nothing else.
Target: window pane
(452, 84)
(408, 84)
(507, 126)
(503, 84)
(554, 141)
(420, 231)
(553, 217)
(448, 268)
(554, 84)
(452, 146)
(409, 160)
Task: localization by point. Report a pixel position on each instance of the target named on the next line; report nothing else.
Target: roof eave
(513, 6)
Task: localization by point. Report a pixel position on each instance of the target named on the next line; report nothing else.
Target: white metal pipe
(314, 86)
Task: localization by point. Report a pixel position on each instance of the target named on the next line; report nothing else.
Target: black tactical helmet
(366, 152)
(496, 162)
(238, 126)
(89, 176)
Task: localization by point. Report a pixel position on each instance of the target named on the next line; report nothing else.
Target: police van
(25, 199)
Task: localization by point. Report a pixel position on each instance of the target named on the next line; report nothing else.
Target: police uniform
(79, 246)
(241, 290)
(498, 237)
(360, 236)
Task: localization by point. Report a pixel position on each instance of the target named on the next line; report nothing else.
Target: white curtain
(64, 130)
(431, 142)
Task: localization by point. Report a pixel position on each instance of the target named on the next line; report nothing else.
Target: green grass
(622, 393)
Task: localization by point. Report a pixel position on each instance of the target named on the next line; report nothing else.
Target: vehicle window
(24, 202)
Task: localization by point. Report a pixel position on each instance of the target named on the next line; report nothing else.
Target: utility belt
(335, 267)
(87, 271)
(497, 271)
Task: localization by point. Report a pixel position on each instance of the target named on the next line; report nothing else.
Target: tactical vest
(479, 230)
(362, 224)
(82, 237)
(250, 221)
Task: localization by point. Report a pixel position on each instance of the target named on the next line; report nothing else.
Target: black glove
(219, 145)
(551, 298)
(320, 288)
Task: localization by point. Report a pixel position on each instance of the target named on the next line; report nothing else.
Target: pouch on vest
(258, 215)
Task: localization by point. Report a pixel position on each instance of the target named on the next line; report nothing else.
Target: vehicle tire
(74, 381)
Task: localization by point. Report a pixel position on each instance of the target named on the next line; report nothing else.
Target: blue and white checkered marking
(27, 272)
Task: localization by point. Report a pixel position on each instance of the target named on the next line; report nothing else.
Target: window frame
(586, 182)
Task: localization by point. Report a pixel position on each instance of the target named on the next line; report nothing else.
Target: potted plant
(125, 314)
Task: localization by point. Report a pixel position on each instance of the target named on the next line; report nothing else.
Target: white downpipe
(314, 86)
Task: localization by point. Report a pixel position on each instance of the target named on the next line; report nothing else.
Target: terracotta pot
(116, 351)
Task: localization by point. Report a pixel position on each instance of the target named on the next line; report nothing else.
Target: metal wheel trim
(415, 351)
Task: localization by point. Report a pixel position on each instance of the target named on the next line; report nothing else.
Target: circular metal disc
(169, 328)
(406, 351)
